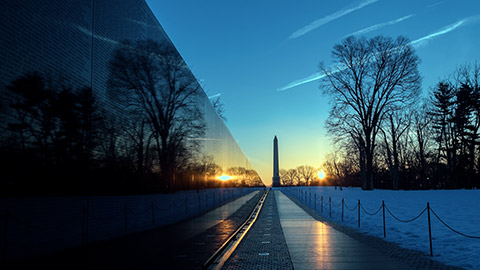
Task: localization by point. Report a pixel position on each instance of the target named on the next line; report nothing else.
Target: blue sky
(263, 56)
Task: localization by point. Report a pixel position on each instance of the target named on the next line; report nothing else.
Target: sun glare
(225, 177)
(321, 175)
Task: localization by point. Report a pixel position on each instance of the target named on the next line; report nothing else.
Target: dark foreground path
(185, 245)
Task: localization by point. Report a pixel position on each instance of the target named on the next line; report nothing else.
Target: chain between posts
(371, 214)
(383, 207)
(452, 229)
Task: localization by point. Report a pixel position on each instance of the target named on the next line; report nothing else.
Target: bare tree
(370, 79)
(393, 129)
(307, 173)
(152, 77)
(289, 177)
(422, 127)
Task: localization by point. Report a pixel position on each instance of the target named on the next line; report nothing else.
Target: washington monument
(276, 177)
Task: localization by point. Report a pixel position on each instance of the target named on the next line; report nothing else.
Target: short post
(384, 228)
(173, 209)
(206, 201)
(83, 224)
(186, 206)
(87, 220)
(153, 214)
(5, 238)
(310, 198)
(330, 204)
(125, 209)
(343, 204)
(315, 200)
(321, 201)
(199, 203)
(359, 213)
(429, 229)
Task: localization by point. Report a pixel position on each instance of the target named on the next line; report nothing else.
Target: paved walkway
(264, 246)
(315, 245)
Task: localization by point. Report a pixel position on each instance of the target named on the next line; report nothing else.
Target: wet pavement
(314, 245)
(264, 246)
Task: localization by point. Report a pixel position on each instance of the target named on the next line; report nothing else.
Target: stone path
(314, 245)
(264, 246)
(414, 259)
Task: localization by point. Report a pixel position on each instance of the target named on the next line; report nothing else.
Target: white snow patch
(458, 208)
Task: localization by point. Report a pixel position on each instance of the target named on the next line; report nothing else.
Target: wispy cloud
(380, 25)
(417, 42)
(311, 78)
(444, 30)
(436, 4)
(314, 25)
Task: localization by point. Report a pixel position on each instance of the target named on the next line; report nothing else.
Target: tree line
(303, 175)
(144, 136)
(387, 135)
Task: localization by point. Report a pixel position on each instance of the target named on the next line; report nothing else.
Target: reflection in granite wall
(62, 127)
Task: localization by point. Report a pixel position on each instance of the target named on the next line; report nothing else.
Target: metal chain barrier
(350, 209)
(358, 206)
(371, 214)
(164, 209)
(406, 221)
(452, 229)
(339, 204)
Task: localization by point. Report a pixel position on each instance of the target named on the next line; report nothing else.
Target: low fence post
(384, 228)
(83, 225)
(5, 238)
(321, 201)
(173, 210)
(125, 209)
(87, 220)
(330, 204)
(199, 202)
(186, 206)
(315, 200)
(153, 214)
(429, 229)
(359, 213)
(343, 204)
(310, 198)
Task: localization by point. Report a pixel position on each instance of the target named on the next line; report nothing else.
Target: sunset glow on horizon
(225, 177)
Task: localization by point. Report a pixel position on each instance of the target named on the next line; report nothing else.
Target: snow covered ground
(460, 209)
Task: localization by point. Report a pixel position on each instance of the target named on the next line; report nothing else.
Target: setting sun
(321, 175)
(225, 177)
